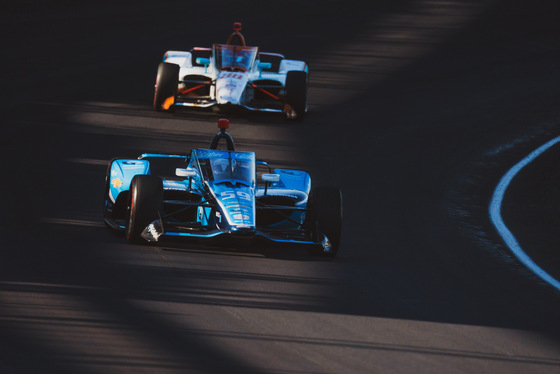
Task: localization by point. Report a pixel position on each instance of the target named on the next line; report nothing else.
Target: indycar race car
(232, 75)
(213, 194)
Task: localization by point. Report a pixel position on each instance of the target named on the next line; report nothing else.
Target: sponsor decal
(203, 153)
(210, 154)
(133, 165)
(249, 156)
(129, 167)
(116, 182)
(231, 75)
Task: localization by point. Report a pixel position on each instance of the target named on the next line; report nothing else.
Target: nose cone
(238, 206)
(243, 231)
(230, 87)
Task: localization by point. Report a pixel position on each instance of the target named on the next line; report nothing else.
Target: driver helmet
(241, 59)
(219, 168)
(241, 170)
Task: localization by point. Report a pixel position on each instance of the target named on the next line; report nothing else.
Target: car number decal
(231, 195)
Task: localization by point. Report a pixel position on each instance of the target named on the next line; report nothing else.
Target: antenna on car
(236, 34)
(223, 125)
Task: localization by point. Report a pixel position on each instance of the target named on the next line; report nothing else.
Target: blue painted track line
(505, 233)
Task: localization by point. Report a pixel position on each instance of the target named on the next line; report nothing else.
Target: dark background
(417, 109)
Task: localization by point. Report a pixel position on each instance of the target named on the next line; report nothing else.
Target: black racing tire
(167, 81)
(145, 201)
(325, 218)
(296, 95)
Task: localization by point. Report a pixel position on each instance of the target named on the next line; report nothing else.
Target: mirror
(265, 65)
(203, 61)
(185, 173)
(270, 177)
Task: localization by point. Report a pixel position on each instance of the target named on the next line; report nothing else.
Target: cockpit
(226, 166)
(234, 57)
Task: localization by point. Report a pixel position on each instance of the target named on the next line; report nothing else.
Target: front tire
(145, 203)
(295, 101)
(326, 220)
(167, 81)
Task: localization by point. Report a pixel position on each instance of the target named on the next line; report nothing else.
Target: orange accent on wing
(167, 103)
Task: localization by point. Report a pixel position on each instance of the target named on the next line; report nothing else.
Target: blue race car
(220, 194)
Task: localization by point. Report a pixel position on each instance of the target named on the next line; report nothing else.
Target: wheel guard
(152, 232)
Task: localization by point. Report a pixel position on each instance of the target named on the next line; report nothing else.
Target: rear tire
(295, 101)
(167, 81)
(326, 219)
(145, 202)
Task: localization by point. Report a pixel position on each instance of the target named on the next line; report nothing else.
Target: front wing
(159, 230)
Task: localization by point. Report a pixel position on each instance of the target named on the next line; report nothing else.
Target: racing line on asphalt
(505, 233)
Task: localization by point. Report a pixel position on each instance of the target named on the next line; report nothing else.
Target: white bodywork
(231, 85)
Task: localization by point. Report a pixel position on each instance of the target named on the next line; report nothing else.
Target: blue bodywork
(218, 194)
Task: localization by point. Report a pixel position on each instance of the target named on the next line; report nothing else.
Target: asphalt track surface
(418, 108)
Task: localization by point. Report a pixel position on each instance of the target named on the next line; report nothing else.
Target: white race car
(232, 75)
